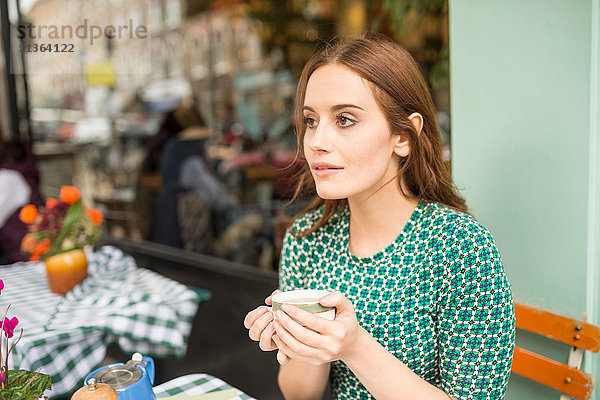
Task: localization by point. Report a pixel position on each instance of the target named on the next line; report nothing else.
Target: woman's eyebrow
(336, 107)
(341, 106)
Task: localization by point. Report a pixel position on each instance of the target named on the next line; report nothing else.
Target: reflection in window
(172, 13)
(198, 42)
(175, 54)
(156, 15)
(222, 36)
(158, 55)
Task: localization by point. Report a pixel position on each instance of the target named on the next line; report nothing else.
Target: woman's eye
(344, 121)
(309, 122)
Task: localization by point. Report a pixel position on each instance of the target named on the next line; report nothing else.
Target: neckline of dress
(382, 254)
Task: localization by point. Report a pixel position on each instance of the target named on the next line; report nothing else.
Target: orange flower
(28, 213)
(40, 249)
(95, 215)
(51, 202)
(28, 243)
(69, 194)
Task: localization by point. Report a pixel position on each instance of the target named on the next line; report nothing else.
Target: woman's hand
(319, 341)
(259, 322)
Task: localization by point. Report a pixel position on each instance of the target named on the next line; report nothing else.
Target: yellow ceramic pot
(65, 270)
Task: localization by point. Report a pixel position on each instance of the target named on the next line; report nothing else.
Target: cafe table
(197, 384)
(67, 336)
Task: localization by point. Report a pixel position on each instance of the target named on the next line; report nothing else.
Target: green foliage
(18, 380)
(73, 215)
(389, 18)
(440, 72)
(396, 10)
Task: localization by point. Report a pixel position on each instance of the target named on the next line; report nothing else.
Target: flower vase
(65, 270)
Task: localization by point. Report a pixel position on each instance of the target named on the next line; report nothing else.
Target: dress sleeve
(292, 263)
(476, 321)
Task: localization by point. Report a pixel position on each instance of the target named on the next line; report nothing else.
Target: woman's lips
(321, 173)
(325, 169)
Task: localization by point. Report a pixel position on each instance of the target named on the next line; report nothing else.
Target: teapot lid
(120, 376)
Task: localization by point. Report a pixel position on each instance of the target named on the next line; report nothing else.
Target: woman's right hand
(259, 322)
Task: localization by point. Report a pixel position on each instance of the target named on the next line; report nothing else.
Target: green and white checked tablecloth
(67, 336)
(196, 384)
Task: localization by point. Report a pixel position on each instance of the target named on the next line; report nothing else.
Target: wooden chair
(566, 378)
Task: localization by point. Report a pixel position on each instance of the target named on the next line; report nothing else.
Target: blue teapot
(132, 380)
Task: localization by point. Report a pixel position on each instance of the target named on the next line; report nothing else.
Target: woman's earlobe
(402, 147)
(417, 120)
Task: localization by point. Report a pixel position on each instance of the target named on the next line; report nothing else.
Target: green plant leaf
(73, 214)
(18, 380)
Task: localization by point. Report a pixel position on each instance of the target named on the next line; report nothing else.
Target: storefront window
(219, 76)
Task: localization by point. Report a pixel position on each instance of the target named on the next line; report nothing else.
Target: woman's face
(347, 142)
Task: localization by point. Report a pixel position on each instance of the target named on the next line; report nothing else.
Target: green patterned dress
(437, 298)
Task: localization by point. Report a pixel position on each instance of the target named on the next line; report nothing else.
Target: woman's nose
(318, 139)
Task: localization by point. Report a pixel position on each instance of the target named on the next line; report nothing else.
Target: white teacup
(306, 299)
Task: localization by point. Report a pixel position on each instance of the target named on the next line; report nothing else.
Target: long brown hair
(400, 90)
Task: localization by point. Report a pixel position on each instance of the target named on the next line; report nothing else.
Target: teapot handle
(149, 368)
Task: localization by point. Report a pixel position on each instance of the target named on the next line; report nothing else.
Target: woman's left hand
(319, 341)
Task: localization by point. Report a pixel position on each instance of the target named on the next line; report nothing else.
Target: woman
(424, 309)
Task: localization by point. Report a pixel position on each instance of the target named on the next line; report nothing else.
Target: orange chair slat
(567, 330)
(554, 374)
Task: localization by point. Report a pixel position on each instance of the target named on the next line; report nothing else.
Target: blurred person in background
(423, 306)
(149, 177)
(19, 186)
(182, 213)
